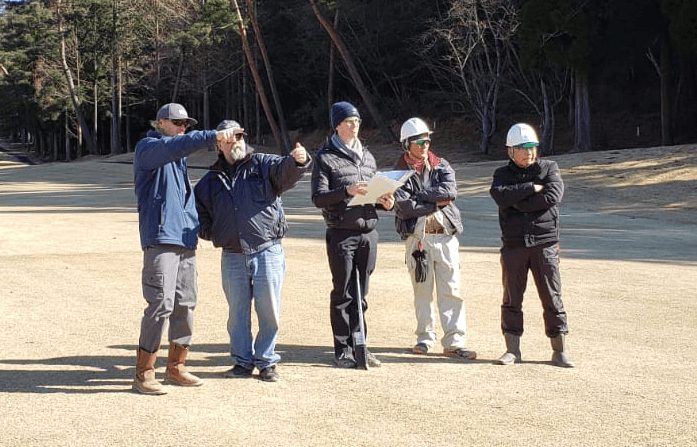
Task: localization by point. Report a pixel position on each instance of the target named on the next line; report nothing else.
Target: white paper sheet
(381, 183)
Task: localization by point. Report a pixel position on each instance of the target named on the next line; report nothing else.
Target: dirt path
(71, 304)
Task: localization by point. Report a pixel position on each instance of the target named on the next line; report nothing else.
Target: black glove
(421, 265)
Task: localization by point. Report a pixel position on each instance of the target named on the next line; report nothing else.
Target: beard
(238, 151)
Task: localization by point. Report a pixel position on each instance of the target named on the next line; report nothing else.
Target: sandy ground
(71, 305)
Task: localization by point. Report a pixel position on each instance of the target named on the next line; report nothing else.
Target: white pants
(443, 259)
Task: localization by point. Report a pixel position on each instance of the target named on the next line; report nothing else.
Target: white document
(382, 183)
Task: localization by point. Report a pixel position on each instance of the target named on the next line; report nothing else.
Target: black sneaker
(238, 372)
(268, 374)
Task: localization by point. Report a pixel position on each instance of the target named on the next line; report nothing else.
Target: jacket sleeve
(547, 198)
(284, 172)
(202, 192)
(322, 196)
(507, 195)
(408, 206)
(152, 153)
(444, 187)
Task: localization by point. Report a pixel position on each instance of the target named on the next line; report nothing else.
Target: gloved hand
(421, 269)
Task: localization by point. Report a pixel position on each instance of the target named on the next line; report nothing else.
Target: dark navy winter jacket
(166, 208)
(239, 205)
(418, 197)
(527, 218)
(333, 173)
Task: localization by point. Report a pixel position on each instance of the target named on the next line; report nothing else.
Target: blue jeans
(256, 277)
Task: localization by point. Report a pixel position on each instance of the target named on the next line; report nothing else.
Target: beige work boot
(560, 356)
(512, 354)
(144, 381)
(176, 373)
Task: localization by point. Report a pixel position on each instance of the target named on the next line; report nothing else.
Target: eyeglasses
(353, 121)
(422, 142)
(525, 148)
(180, 123)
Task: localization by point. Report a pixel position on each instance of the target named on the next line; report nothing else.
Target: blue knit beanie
(341, 111)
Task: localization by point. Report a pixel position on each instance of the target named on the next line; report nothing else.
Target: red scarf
(419, 164)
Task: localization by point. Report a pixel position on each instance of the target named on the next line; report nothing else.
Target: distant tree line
(80, 77)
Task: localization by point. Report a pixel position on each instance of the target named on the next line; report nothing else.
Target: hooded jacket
(166, 208)
(335, 171)
(527, 218)
(239, 205)
(418, 197)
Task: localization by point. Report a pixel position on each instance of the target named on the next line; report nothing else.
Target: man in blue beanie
(342, 168)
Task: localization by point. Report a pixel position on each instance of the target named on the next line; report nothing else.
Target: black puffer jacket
(527, 218)
(239, 205)
(418, 197)
(333, 173)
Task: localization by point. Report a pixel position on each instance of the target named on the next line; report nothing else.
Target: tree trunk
(69, 80)
(115, 106)
(257, 79)
(666, 131)
(332, 56)
(582, 115)
(272, 84)
(355, 76)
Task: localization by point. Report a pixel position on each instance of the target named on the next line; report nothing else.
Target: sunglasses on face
(421, 142)
(180, 123)
(525, 148)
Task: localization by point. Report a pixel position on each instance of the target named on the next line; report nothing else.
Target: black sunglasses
(180, 122)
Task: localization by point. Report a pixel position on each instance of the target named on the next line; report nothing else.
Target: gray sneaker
(373, 361)
(420, 349)
(344, 361)
(460, 353)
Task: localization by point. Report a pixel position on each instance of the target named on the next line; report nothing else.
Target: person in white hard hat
(528, 192)
(428, 219)
(168, 225)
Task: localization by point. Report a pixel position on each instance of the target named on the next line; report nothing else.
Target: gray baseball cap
(231, 124)
(174, 111)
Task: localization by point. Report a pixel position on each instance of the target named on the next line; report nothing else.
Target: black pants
(348, 249)
(544, 264)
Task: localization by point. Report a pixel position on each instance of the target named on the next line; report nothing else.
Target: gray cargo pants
(169, 287)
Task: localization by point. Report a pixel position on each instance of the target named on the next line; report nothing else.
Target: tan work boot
(144, 381)
(176, 373)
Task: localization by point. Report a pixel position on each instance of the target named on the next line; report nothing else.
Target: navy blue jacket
(418, 197)
(166, 208)
(239, 205)
(333, 173)
(527, 218)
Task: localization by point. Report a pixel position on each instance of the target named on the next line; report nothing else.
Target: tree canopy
(612, 74)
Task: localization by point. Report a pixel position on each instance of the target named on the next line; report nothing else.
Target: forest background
(85, 77)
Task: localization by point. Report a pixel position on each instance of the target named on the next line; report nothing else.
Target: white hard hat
(522, 135)
(413, 127)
